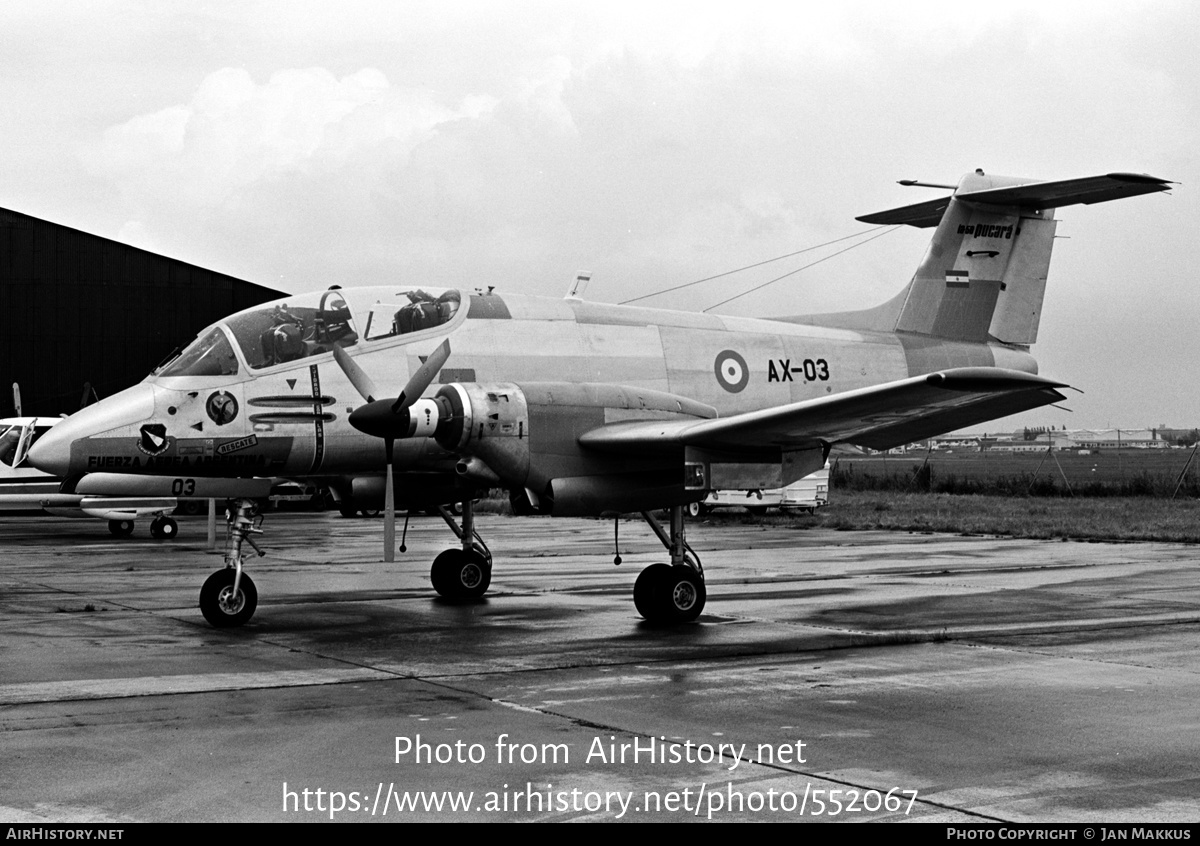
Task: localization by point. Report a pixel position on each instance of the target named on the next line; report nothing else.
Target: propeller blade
(389, 508)
(423, 377)
(357, 376)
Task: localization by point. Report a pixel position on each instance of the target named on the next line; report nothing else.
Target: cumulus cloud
(235, 132)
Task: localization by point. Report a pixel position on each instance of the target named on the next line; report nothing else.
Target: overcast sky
(298, 144)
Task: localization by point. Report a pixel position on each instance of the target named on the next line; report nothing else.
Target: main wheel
(666, 594)
(221, 606)
(457, 574)
(649, 584)
(695, 509)
(120, 528)
(686, 594)
(164, 528)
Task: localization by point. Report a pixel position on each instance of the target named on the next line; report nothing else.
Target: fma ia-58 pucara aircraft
(582, 408)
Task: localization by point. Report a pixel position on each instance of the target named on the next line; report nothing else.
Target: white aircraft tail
(984, 274)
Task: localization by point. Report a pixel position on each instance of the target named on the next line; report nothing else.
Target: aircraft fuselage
(291, 418)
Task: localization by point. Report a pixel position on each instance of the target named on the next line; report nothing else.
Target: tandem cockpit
(308, 325)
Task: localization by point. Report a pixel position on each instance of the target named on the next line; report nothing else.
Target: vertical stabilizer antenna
(576, 290)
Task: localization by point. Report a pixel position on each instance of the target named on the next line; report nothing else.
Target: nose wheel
(229, 597)
(225, 605)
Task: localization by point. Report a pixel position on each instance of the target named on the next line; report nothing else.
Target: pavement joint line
(61, 691)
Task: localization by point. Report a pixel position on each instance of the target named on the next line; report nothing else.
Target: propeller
(389, 419)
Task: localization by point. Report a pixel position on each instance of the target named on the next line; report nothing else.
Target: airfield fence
(1109, 473)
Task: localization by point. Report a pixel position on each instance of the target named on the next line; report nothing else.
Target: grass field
(1094, 518)
(1130, 472)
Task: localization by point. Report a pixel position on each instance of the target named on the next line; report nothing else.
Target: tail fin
(984, 274)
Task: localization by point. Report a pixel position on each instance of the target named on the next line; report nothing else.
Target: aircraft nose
(63, 450)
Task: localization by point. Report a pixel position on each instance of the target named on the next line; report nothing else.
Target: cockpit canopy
(308, 325)
(412, 311)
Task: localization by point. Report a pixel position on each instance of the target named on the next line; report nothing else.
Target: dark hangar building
(84, 316)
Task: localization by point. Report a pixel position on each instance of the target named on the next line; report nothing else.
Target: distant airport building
(1057, 439)
(1116, 439)
(85, 316)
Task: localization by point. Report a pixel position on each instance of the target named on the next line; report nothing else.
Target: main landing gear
(229, 597)
(675, 592)
(163, 528)
(466, 572)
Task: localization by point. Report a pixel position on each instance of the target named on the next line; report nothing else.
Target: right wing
(879, 417)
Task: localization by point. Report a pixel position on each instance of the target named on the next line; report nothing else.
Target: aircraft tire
(220, 607)
(649, 585)
(120, 528)
(164, 528)
(666, 594)
(457, 574)
(685, 594)
(695, 509)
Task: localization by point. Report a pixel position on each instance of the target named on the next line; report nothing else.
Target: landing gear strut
(229, 597)
(462, 573)
(675, 592)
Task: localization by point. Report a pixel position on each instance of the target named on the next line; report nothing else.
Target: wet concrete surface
(996, 679)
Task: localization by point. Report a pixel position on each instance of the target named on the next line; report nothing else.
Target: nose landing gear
(229, 597)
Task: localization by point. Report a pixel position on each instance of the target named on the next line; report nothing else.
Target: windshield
(210, 354)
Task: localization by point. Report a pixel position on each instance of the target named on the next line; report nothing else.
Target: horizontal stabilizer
(1068, 192)
(878, 417)
(1033, 196)
(921, 215)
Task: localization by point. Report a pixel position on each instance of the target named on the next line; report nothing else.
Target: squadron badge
(222, 408)
(153, 439)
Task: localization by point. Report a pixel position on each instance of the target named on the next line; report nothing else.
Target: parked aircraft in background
(807, 495)
(120, 499)
(26, 489)
(583, 408)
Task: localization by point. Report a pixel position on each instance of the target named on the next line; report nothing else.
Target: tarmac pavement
(832, 676)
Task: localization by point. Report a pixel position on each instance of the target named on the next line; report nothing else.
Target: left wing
(878, 417)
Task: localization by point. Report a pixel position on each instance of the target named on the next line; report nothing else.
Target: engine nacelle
(528, 436)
